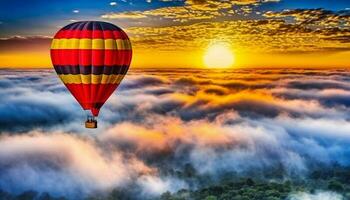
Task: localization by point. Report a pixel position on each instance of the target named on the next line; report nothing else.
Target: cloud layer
(162, 123)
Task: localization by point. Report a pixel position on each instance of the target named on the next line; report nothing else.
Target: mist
(159, 126)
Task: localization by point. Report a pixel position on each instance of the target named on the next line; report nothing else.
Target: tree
(250, 182)
(211, 197)
(28, 195)
(335, 186)
(166, 196)
(189, 171)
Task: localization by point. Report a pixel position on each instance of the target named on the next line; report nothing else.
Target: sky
(177, 33)
(283, 105)
(220, 123)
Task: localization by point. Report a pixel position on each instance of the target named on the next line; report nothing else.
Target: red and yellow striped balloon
(91, 58)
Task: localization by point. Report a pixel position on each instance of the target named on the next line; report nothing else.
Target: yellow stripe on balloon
(91, 79)
(74, 43)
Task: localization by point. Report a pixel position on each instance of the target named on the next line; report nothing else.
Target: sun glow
(218, 55)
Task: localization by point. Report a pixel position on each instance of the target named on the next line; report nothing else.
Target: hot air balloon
(91, 58)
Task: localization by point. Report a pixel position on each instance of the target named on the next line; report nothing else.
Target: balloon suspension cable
(90, 118)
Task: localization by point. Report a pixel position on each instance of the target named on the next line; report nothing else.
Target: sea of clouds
(160, 122)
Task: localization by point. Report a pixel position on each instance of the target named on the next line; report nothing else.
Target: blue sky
(39, 17)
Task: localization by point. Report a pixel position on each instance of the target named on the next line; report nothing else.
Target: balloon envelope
(91, 58)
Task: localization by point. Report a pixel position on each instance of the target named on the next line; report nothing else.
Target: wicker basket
(91, 124)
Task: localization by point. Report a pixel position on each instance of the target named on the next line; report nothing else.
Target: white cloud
(165, 114)
(320, 195)
(153, 185)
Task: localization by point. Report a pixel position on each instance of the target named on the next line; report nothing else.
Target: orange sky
(141, 59)
(171, 36)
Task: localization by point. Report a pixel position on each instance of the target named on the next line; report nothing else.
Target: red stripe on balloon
(95, 57)
(89, 34)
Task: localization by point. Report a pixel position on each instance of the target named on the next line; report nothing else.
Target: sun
(218, 55)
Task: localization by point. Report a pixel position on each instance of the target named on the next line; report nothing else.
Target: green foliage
(166, 196)
(335, 186)
(250, 182)
(335, 178)
(211, 197)
(242, 189)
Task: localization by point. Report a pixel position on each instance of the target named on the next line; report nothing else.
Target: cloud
(247, 36)
(190, 10)
(333, 23)
(22, 113)
(125, 15)
(20, 43)
(62, 164)
(239, 144)
(142, 82)
(245, 122)
(155, 186)
(321, 195)
(34, 100)
(196, 24)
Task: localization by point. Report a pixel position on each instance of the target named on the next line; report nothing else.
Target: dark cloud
(142, 82)
(19, 43)
(343, 38)
(34, 99)
(331, 25)
(317, 84)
